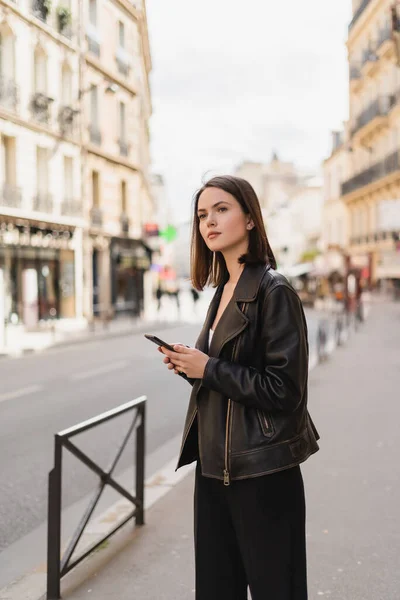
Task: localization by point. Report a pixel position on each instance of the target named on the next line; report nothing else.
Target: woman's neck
(234, 269)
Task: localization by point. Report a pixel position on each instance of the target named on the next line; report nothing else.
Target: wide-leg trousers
(250, 534)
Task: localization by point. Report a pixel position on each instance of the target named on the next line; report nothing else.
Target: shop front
(130, 260)
(38, 271)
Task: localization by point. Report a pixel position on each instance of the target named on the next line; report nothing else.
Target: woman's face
(223, 225)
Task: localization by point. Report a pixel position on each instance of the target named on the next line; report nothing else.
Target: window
(7, 55)
(123, 198)
(42, 170)
(93, 12)
(40, 72)
(68, 177)
(121, 34)
(94, 105)
(95, 189)
(66, 86)
(122, 121)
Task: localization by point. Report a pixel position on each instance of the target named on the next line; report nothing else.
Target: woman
(247, 424)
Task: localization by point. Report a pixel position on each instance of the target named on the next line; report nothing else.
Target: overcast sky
(234, 80)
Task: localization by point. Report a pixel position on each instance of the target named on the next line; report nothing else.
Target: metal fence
(59, 565)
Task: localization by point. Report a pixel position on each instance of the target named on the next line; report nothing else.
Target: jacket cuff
(209, 372)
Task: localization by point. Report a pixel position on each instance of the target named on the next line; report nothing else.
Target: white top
(210, 335)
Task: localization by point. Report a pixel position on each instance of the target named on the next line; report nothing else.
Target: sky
(236, 80)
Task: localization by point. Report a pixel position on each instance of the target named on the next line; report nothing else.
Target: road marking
(32, 389)
(99, 371)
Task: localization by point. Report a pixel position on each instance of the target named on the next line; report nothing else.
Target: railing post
(140, 453)
(54, 525)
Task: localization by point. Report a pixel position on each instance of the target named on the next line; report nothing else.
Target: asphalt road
(44, 393)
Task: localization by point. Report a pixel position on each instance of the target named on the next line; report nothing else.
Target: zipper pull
(226, 477)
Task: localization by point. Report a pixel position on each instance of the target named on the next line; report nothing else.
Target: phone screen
(158, 341)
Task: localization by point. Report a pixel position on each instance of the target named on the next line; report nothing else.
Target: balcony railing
(380, 107)
(43, 202)
(123, 61)
(11, 196)
(124, 223)
(67, 119)
(123, 148)
(359, 12)
(71, 207)
(96, 216)
(8, 93)
(95, 134)
(40, 106)
(40, 9)
(390, 164)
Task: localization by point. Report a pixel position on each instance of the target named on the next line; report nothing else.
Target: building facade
(41, 219)
(371, 180)
(74, 171)
(116, 109)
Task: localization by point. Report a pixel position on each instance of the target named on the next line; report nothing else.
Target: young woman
(247, 425)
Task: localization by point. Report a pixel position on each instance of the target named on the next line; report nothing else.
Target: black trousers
(250, 533)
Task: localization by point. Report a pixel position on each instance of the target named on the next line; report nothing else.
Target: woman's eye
(202, 216)
(222, 209)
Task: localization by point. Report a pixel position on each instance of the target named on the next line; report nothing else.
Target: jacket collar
(233, 321)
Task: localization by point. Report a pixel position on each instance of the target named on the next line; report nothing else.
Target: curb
(33, 585)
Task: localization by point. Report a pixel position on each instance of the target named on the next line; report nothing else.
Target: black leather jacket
(248, 415)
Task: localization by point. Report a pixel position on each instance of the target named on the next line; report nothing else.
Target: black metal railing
(71, 207)
(40, 9)
(43, 202)
(8, 93)
(95, 135)
(96, 216)
(123, 147)
(11, 196)
(57, 565)
(40, 106)
(378, 108)
(359, 12)
(390, 164)
(67, 119)
(124, 223)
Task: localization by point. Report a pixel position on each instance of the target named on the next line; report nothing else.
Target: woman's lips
(213, 235)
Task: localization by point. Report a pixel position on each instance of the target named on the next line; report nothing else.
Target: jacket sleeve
(283, 341)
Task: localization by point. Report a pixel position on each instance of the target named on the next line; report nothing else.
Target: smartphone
(156, 340)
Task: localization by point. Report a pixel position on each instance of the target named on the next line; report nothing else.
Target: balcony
(40, 107)
(124, 223)
(373, 118)
(358, 13)
(96, 216)
(67, 119)
(64, 21)
(123, 148)
(11, 196)
(8, 93)
(95, 135)
(385, 167)
(40, 9)
(71, 207)
(43, 202)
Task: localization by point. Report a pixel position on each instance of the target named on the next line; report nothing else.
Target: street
(47, 392)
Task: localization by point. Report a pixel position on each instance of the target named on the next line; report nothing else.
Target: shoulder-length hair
(209, 267)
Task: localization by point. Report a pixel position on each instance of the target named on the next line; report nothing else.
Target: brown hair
(209, 267)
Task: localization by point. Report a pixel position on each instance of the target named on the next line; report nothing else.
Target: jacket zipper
(228, 425)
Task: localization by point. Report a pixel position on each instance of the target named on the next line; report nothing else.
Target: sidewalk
(352, 491)
(57, 333)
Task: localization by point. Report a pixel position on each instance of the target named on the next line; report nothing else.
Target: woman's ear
(250, 224)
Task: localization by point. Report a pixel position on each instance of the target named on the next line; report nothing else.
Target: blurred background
(112, 114)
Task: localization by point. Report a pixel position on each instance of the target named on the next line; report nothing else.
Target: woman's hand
(185, 360)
